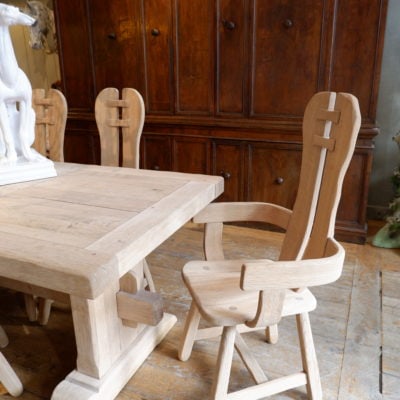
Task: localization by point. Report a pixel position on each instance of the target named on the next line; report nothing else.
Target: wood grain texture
(91, 211)
(192, 380)
(51, 117)
(117, 116)
(135, 217)
(228, 95)
(259, 292)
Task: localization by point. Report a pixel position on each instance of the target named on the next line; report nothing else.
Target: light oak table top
(75, 235)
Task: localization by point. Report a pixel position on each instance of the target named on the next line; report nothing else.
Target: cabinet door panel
(191, 155)
(75, 54)
(273, 173)
(228, 162)
(194, 55)
(159, 56)
(231, 56)
(156, 152)
(358, 35)
(118, 44)
(82, 147)
(286, 58)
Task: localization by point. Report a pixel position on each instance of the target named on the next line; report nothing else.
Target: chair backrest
(330, 127)
(113, 114)
(51, 117)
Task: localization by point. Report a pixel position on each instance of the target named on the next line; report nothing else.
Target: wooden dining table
(81, 237)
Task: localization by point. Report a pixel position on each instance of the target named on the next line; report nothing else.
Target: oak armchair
(236, 296)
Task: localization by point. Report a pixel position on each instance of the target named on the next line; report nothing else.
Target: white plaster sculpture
(18, 161)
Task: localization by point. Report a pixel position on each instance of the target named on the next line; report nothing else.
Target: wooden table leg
(103, 369)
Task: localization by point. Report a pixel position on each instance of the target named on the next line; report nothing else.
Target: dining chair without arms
(123, 118)
(7, 375)
(51, 117)
(236, 296)
(115, 117)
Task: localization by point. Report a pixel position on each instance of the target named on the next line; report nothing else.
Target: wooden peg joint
(44, 121)
(329, 115)
(123, 123)
(327, 143)
(44, 102)
(117, 103)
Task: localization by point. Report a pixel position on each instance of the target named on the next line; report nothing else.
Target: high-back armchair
(240, 295)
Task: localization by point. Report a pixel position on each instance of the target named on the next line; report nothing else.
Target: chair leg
(9, 378)
(309, 357)
(3, 338)
(271, 333)
(189, 333)
(249, 361)
(44, 310)
(219, 390)
(147, 275)
(30, 307)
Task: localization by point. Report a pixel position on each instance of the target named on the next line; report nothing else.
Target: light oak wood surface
(51, 111)
(363, 365)
(257, 293)
(51, 117)
(75, 236)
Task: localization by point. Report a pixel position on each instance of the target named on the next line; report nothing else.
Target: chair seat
(215, 288)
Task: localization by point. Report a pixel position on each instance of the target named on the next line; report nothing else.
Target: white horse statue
(17, 118)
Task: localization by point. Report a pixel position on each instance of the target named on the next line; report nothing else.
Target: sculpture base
(22, 171)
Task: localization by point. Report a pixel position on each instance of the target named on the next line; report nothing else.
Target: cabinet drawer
(227, 161)
(191, 154)
(273, 173)
(156, 152)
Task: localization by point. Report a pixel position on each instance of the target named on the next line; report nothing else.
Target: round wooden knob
(279, 180)
(155, 32)
(112, 36)
(230, 25)
(288, 23)
(156, 167)
(226, 175)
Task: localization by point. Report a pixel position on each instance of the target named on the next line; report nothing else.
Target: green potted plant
(389, 235)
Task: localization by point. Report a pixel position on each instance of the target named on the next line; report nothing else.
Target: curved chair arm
(215, 214)
(278, 276)
(267, 274)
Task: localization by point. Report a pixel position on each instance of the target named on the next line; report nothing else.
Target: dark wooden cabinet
(228, 161)
(273, 173)
(156, 152)
(191, 155)
(225, 84)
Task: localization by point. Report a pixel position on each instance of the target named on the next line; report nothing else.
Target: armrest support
(215, 214)
(245, 211)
